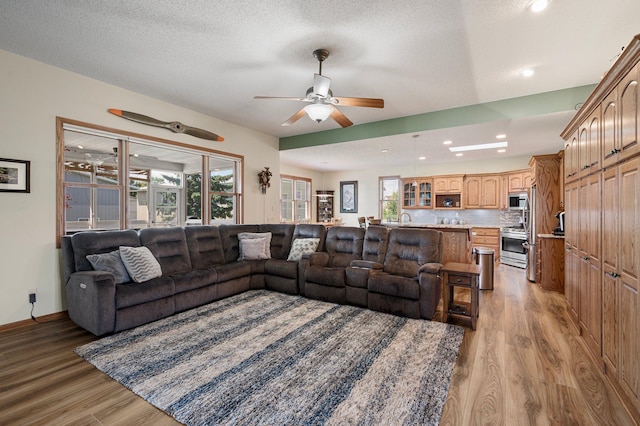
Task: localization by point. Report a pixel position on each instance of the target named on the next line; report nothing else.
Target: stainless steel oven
(512, 250)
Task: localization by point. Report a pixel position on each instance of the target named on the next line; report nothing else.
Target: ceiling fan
(322, 102)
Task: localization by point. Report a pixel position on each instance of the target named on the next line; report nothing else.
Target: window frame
(294, 208)
(382, 201)
(123, 138)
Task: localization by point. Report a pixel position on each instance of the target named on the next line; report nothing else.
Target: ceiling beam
(524, 106)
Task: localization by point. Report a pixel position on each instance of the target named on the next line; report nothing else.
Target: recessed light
(422, 158)
(502, 150)
(447, 142)
(527, 72)
(384, 150)
(503, 144)
(501, 136)
(80, 147)
(539, 5)
(459, 154)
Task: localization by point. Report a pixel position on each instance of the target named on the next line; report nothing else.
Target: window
(113, 180)
(389, 198)
(295, 199)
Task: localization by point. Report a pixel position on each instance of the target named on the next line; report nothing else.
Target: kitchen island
(456, 240)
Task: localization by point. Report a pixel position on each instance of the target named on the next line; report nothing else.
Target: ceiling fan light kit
(323, 103)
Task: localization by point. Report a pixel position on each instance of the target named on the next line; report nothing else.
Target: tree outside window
(389, 198)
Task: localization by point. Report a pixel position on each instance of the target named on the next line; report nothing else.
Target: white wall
(32, 94)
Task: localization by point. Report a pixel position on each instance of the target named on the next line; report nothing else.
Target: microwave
(517, 201)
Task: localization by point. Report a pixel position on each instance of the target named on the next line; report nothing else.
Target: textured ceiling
(418, 55)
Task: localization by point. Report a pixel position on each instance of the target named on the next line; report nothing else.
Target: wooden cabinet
(519, 181)
(448, 184)
(602, 257)
(551, 263)
(487, 237)
(546, 169)
(571, 158)
(482, 192)
(324, 211)
(417, 193)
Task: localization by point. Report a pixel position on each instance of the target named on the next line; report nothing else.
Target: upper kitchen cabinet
(482, 192)
(571, 158)
(628, 110)
(417, 193)
(448, 191)
(519, 181)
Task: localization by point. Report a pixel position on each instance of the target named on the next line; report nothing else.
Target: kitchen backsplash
(479, 217)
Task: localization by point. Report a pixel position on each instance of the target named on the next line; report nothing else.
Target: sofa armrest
(91, 301)
(318, 258)
(431, 268)
(368, 264)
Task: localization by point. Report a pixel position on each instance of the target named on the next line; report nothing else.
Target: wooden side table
(465, 275)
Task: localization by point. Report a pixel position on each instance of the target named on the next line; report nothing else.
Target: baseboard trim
(41, 319)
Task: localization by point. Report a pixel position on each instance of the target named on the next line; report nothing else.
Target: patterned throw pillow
(260, 235)
(140, 263)
(110, 262)
(253, 249)
(302, 246)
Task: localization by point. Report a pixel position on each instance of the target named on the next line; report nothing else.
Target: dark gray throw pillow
(110, 262)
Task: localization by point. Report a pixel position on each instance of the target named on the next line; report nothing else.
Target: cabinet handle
(614, 274)
(585, 258)
(568, 248)
(458, 280)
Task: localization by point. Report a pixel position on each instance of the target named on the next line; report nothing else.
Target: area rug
(263, 358)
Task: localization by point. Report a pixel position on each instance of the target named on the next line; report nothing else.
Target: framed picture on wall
(349, 197)
(14, 175)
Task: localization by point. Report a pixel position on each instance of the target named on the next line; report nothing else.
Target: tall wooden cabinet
(602, 231)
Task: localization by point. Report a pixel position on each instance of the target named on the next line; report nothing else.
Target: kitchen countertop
(550, 236)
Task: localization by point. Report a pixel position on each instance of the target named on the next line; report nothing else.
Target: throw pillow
(302, 246)
(254, 235)
(110, 262)
(140, 263)
(253, 249)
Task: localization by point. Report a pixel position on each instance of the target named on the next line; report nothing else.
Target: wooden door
(594, 142)
(594, 281)
(572, 256)
(515, 182)
(473, 192)
(490, 192)
(583, 151)
(628, 110)
(610, 282)
(629, 266)
(583, 253)
(610, 142)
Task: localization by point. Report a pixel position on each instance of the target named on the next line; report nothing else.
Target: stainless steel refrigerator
(531, 244)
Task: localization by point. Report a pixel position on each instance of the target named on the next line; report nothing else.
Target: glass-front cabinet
(416, 193)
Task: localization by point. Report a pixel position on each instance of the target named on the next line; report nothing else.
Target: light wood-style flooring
(524, 365)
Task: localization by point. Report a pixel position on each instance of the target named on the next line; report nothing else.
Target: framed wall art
(349, 197)
(14, 175)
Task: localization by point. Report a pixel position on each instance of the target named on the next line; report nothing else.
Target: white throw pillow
(140, 263)
(302, 246)
(253, 249)
(265, 236)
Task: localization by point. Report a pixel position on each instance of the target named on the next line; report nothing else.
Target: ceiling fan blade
(202, 134)
(360, 102)
(174, 126)
(340, 118)
(321, 85)
(281, 98)
(295, 117)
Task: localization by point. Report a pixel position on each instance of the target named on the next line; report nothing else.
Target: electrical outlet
(32, 298)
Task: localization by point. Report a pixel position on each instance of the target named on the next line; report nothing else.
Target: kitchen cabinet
(551, 262)
(603, 224)
(324, 212)
(487, 237)
(482, 192)
(571, 158)
(448, 184)
(519, 181)
(418, 196)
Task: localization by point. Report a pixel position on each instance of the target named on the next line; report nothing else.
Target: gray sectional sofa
(200, 264)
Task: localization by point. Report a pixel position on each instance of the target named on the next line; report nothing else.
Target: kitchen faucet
(408, 215)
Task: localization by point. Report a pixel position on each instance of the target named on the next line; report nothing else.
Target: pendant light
(415, 156)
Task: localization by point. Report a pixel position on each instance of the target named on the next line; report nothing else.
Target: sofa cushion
(85, 243)
(130, 294)
(327, 276)
(394, 285)
(194, 279)
(281, 236)
(302, 246)
(375, 243)
(231, 271)
(110, 262)
(344, 244)
(281, 268)
(169, 246)
(408, 249)
(140, 263)
(205, 246)
(230, 243)
(308, 230)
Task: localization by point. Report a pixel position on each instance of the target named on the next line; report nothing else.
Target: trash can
(484, 257)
